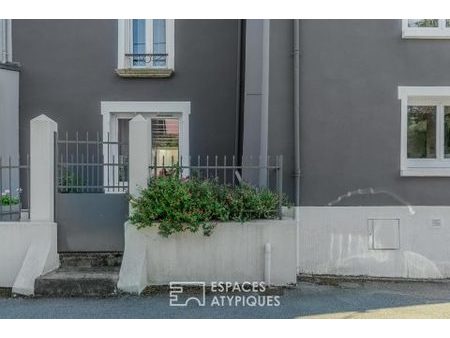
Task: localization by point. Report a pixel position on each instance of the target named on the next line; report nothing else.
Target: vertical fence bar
(181, 167)
(163, 166)
(82, 172)
(74, 179)
(207, 167)
(77, 159)
(87, 163)
(66, 167)
(28, 184)
(97, 179)
(215, 167)
(9, 185)
(280, 186)
(55, 170)
(92, 173)
(108, 165)
(56, 164)
(60, 169)
(224, 169)
(101, 183)
(1, 185)
(233, 170)
(113, 173)
(199, 169)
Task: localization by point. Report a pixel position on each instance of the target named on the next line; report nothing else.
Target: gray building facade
(69, 67)
(350, 112)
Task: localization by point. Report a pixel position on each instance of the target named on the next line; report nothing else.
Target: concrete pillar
(139, 147)
(42, 179)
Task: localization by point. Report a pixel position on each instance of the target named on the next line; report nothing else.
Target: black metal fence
(255, 171)
(140, 59)
(14, 199)
(90, 165)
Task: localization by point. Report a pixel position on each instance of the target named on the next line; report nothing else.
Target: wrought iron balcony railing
(155, 60)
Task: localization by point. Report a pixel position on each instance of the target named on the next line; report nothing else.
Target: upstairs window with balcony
(426, 29)
(146, 48)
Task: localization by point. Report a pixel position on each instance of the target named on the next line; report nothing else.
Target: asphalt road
(306, 300)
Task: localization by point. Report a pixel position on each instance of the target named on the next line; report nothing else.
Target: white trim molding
(438, 96)
(112, 111)
(440, 32)
(124, 38)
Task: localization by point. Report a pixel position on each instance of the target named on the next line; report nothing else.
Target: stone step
(87, 259)
(78, 282)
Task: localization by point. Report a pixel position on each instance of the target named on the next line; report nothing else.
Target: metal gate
(91, 186)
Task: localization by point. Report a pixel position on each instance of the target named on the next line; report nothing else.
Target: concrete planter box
(7, 214)
(27, 250)
(234, 252)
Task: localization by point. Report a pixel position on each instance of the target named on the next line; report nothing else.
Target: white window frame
(112, 111)
(5, 41)
(425, 96)
(125, 39)
(440, 32)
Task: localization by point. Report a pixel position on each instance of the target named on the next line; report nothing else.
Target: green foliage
(7, 199)
(67, 182)
(176, 205)
(427, 23)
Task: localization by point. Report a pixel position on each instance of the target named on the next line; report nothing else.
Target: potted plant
(174, 204)
(9, 206)
(189, 229)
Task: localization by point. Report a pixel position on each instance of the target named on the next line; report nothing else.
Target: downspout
(240, 91)
(4, 36)
(297, 110)
(264, 132)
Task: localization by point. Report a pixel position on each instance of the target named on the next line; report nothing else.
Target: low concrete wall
(234, 252)
(27, 250)
(405, 242)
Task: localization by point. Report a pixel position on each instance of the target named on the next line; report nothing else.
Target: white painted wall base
(27, 250)
(234, 252)
(340, 240)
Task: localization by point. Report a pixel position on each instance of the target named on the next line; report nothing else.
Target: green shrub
(176, 205)
(68, 181)
(7, 199)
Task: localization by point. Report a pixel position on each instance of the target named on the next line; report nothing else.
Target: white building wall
(406, 242)
(27, 250)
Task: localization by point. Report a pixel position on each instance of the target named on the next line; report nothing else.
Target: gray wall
(68, 68)
(9, 126)
(350, 114)
(281, 127)
(9, 114)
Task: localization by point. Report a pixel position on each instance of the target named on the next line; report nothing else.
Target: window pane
(421, 131)
(447, 22)
(122, 138)
(447, 132)
(423, 22)
(159, 42)
(138, 41)
(165, 143)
